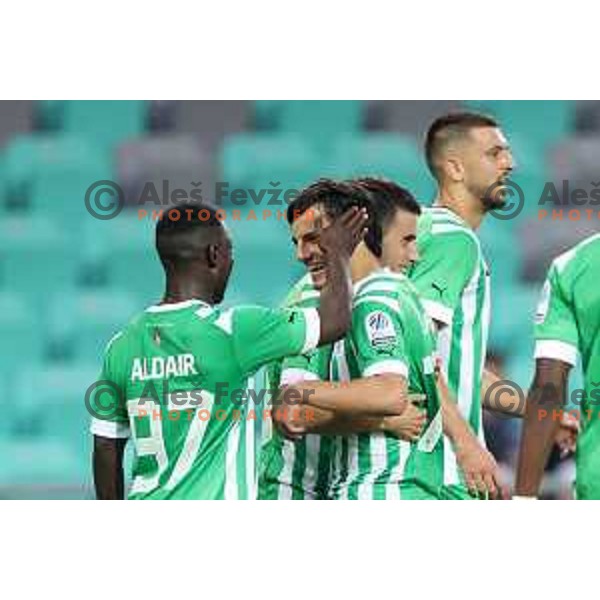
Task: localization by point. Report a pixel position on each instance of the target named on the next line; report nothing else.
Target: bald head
(194, 249)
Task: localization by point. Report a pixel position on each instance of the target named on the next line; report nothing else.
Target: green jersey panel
(452, 278)
(567, 324)
(183, 371)
(300, 469)
(390, 334)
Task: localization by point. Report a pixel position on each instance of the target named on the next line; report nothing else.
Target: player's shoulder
(302, 292)
(384, 287)
(580, 256)
(438, 225)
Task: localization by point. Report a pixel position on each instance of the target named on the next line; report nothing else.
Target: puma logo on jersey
(437, 287)
(180, 365)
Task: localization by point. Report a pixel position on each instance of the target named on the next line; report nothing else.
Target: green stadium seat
(50, 174)
(264, 244)
(392, 156)
(87, 320)
(267, 114)
(513, 310)
(37, 256)
(49, 115)
(321, 119)
(254, 161)
(106, 121)
(121, 254)
(318, 120)
(542, 122)
(45, 466)
(21, 340)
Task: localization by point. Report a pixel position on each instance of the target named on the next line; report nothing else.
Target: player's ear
(212, 255)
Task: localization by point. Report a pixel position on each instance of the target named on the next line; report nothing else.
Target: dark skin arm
(108, 468)
(546, 395)
(338, 242)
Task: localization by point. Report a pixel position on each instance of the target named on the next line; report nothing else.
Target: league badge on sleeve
(380, 330)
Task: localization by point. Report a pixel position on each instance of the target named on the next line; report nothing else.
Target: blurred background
(69, 281)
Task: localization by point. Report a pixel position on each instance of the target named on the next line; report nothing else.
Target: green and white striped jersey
(179, 377)
(390, 334)
(300, 469)
(453, 281)
(567, 324)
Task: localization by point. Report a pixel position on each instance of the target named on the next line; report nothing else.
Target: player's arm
(507, 399)
(311, 419)
(377, 403)
(335, 300)
(556, 349)
(109, 427)
(108, 467)
(545, 401)
(479, 467)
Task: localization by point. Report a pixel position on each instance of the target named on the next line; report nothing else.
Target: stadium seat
(85, 321)
(15, 118)
(260, 245)
(406, 116)
(512, 317)
(50, 174)
(22, 339)
(318, 120)
(254, 161)
(106, 122)
(120, 254)
(180, 159)
(543, 122)
(387, 155)
(37, 255)
(49, 115)
(211, 120)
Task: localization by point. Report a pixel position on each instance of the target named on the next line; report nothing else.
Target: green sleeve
(313, 365)
(445, 266)
(261, 335)
(556, 333)
(377, 338)
(106, 400)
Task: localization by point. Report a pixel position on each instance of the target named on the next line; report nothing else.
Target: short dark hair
(336, 197)
(182, 229)
(449, 127)
(387, 198)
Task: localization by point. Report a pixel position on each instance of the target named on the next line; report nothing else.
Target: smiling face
(400, 241)
(305, 235)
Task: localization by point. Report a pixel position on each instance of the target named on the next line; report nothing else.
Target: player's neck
(182, 291)
(363, 263)
(463, 204)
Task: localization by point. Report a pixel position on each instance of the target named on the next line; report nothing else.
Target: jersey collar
(159, 308)
(383, 271)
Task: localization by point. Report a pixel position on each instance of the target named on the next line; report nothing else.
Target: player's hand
(481, 471)
(344, 234)
(567, 434)
(409, 425)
